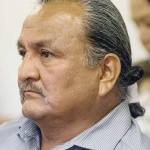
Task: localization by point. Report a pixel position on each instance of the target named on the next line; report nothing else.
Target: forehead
(140, 9)
(55, 19)
(72, 7)
(58, 10)
(58, 25)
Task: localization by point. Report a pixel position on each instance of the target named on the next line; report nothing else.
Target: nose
(28, 70)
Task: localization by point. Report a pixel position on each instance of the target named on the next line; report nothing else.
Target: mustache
(29, 86)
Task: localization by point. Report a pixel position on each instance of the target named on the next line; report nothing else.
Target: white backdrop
(12, 14)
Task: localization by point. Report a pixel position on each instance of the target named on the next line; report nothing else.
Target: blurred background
(12, 14)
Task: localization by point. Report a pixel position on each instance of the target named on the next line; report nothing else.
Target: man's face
(141, 15)
(54, 79)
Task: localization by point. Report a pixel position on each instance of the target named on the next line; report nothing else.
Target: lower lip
(33, 94)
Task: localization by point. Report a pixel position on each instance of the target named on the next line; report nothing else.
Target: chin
(33, 112)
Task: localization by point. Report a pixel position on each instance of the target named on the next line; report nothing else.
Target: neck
(55, 132)
(61, 133)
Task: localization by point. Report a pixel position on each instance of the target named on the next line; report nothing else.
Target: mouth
(33, 93)
(30, 92)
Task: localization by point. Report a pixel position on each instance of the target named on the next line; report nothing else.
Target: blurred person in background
(140, 10)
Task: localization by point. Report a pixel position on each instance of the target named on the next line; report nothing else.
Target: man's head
(141, 15)
(76, 53)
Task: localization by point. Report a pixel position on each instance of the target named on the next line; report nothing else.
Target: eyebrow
(35, 44)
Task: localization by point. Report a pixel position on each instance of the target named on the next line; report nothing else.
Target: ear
(110, 71)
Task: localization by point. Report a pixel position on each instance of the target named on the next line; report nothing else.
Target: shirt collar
(28, 129)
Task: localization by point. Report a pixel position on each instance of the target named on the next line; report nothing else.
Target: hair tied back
(133, 75)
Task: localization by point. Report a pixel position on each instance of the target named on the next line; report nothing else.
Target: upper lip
(30, 91)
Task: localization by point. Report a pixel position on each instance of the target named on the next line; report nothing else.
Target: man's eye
(46, 54)
(22, 53)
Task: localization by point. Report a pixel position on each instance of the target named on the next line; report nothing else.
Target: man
(76, 67)
(140, 10)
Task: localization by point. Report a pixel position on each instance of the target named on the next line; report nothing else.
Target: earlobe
(111, 68)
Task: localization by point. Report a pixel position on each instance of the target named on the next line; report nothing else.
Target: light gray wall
(12, 14)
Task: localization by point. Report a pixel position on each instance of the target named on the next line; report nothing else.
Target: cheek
(57, 78)
(59, 85)
(68, 85)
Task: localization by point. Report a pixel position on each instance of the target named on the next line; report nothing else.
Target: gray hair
(106, 33)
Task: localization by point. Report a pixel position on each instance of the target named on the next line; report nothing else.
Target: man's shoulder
(137, 142)
(10, 128)
(10, 125)
(134, 139)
